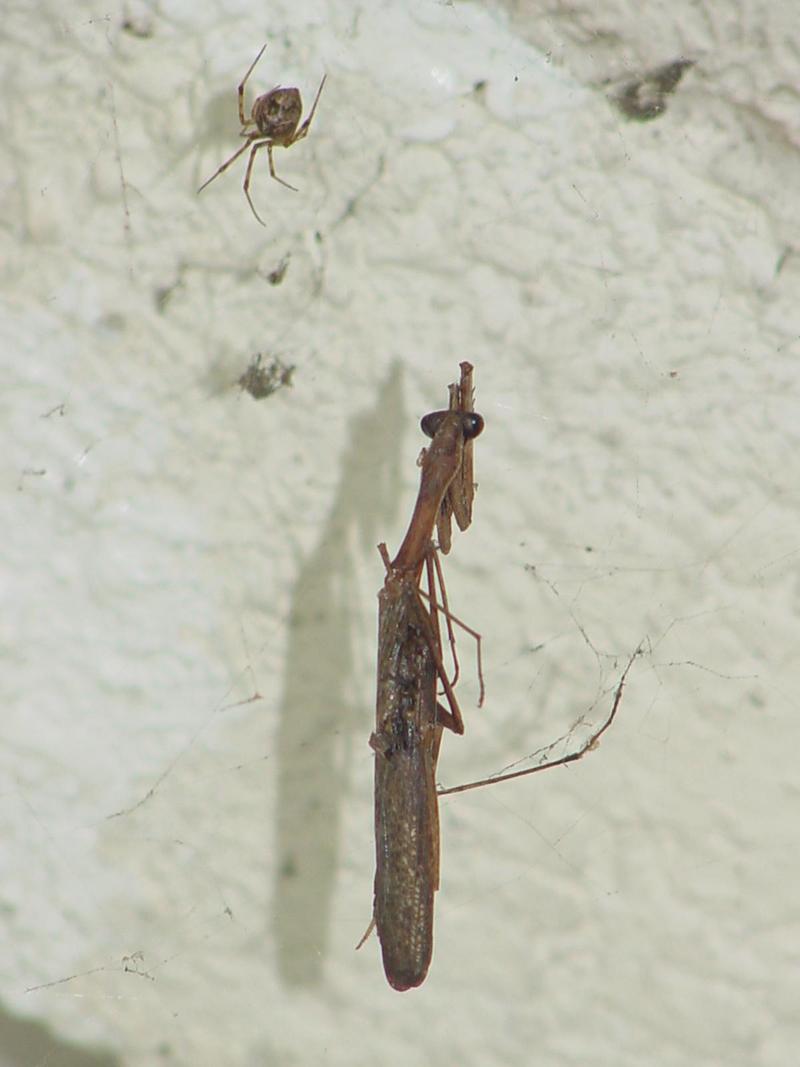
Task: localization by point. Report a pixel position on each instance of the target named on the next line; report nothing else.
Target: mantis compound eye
(471, 423)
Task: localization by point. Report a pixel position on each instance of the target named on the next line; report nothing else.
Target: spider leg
(244, 82)
(304, 128)
(228, 162)
(272, 168)
(246, 187)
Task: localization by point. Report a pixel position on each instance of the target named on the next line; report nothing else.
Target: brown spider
(275, 116)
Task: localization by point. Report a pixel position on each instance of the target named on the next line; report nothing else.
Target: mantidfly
(409, 718)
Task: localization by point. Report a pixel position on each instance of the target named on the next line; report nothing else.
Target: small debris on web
(645, 98)
(141, 28)
(275, 277)
(260, 380)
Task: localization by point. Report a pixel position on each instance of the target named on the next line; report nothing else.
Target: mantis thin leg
(572, 757)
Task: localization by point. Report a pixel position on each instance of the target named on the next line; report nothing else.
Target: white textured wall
(171, 548)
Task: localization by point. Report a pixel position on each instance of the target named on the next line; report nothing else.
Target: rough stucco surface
(190, 575)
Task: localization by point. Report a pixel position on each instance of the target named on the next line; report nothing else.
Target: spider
(275, 116)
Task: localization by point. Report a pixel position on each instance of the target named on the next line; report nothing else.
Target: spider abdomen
(277, 113)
